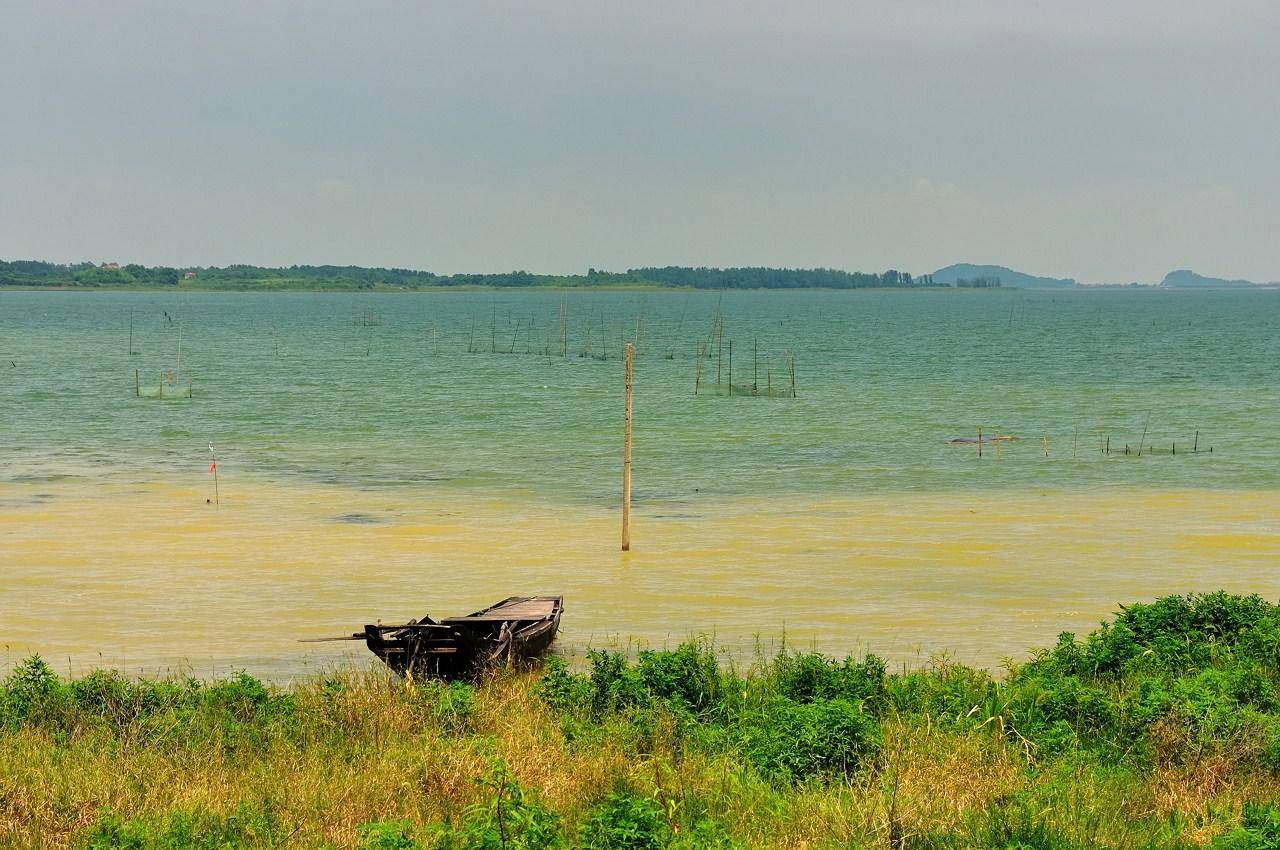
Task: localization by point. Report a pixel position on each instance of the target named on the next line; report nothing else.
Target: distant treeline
(29, 273)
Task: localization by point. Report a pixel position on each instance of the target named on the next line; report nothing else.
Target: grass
(1159, 730)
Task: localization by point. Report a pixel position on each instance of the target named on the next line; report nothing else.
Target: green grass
(1159, 730)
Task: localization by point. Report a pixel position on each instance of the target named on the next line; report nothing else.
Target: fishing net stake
(626, 455)
(213, 467)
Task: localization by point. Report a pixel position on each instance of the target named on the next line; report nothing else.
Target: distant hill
(1187, 279)
(951, 275)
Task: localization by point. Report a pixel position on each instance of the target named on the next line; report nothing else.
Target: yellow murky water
(150, 578)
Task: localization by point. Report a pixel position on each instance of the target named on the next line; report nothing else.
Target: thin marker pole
(626, 455)
(755, 367)
(979, 442)
(213, 467)
(720, 351)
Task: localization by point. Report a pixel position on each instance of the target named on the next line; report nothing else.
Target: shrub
(791, 741)
(811, 677)
(243, 696)
(1182, 633)
(562, 690)
(705, 835)
(451, 705)
(689, 676)
(624, 822)
(387, 835)
(509, 820)
(1259, 830)
(246, 827)
(31, 692)
(614, 683)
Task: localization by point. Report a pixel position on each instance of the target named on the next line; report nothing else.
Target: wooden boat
(512, 632)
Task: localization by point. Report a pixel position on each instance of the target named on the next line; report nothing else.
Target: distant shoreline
(637, 287)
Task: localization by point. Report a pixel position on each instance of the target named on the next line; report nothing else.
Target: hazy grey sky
(1108, 141)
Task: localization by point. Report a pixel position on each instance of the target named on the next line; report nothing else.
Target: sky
(1105, 141)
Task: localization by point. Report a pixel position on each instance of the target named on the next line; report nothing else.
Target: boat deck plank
(537, 608)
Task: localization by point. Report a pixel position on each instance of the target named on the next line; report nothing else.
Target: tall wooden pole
(626, 457)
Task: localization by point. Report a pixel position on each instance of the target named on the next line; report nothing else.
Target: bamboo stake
(626, 455)
(730, 368)
(137, 385)
(720, 350)
(755, 367)
(1144, 434)
(979, 442)
(697, 371)
(213, 467)
(1045, 442)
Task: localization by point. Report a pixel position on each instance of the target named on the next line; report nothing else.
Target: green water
(301, 386)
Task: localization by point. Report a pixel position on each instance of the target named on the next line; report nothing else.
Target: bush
(1179, 634)
(31, 692)
(615, 684)
(451, 705)
(1259, 830)
(705, 835)
(562, 690)
(246, 827)
(790, 741)
(624, 822)
(689, 676)
(243, 696)
(387, 835)
(509, 820)
(812, 677)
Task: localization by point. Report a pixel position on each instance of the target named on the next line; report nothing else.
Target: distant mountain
(1187, 279)
(1008, 277)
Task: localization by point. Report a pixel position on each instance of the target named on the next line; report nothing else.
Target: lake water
(371, 468)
